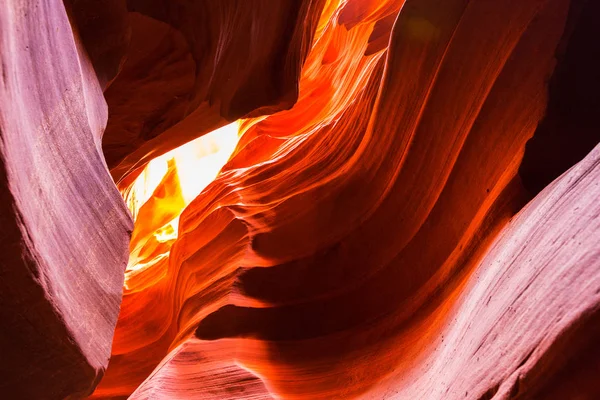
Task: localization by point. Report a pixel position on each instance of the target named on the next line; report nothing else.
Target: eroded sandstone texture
(411, 210)
(64, 227)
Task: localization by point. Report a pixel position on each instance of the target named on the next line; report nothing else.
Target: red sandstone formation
(407, 208)
(195, 66)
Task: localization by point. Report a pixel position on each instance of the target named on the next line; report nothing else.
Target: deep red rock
(196, 66)
(568, 131)
(348, 227)
(103, 29)
(410, 212)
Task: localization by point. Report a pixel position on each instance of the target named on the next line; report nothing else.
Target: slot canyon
(300, 199)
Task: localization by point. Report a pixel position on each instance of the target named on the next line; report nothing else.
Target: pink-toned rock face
(64, 226)
(387, 221)
(523, 322)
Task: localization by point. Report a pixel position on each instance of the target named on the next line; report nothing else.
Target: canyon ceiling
(299, 199)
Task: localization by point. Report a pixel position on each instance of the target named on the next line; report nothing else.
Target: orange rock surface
(332, 199)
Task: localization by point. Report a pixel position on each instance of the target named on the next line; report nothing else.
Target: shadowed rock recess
(299, 199)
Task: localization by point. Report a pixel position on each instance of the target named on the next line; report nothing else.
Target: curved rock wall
(374, 234)
(65, 228)
(334, 255)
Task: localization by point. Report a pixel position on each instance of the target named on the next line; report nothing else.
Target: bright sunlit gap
(194, 166)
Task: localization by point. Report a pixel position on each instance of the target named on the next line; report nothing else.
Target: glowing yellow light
(142, 188)
(167, 232)
(197, 164)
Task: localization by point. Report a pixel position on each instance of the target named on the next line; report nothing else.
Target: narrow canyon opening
(304, 200)
(162, 191)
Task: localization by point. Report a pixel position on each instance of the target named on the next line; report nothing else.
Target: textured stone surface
(385, 228)
(65, 228)
(523, 322)
(346, 249)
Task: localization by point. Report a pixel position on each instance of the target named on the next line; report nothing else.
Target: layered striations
(65, 229)
(348, 248)
(375, 199)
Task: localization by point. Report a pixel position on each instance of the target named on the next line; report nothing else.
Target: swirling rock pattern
(384, 228)
(337, 249)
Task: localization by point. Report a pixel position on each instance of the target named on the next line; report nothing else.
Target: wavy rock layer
(65, 228)
(495, 339)
(484, 335)
(347, 249)
(373, 234)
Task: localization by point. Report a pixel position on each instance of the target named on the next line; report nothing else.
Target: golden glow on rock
(197, 162)
(165, 187)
